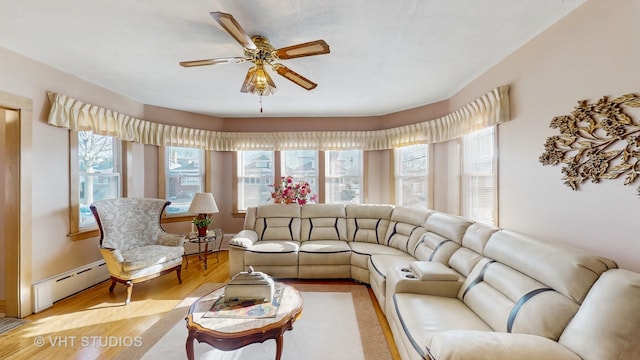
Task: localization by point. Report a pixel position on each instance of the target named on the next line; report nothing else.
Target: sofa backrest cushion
(128, 223)
(465, 258)
(567, 270)
(611, 307)
(250, 218)
(434, 247)
(510, 301)
(323, 222)
(443, 236)
(406, 228)
(278, 222)
(368, 223)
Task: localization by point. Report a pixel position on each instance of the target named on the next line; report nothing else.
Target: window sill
(85, 234)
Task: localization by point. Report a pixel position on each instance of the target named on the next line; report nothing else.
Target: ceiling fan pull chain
(261, 104)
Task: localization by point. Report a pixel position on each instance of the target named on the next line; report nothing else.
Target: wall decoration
(597, 141)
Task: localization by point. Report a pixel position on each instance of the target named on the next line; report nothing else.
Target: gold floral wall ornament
(597, 141)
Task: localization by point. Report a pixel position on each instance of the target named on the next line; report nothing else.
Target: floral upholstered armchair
(134, 245)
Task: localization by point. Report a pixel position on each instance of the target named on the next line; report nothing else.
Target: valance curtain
(490, 109)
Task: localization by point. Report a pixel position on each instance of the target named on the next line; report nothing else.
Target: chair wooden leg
(129, 285)
(113, 284)
(179, 271)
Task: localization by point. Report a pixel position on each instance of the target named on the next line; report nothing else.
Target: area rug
(8, 324)
(338, 322)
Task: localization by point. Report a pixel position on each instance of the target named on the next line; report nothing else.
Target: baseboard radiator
(46, 292)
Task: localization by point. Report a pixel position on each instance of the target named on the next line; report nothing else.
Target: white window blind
(479, 190)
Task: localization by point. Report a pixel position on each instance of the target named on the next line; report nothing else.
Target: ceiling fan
(260, 52)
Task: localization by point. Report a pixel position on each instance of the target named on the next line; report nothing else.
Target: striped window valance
(490, 109)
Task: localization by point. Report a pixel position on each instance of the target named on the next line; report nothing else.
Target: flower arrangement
(286, 191)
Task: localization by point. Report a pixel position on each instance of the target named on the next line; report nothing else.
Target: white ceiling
(386, 56)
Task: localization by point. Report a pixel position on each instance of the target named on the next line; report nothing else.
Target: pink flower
(286, 191)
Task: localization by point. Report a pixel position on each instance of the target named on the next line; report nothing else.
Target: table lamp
(203, 204)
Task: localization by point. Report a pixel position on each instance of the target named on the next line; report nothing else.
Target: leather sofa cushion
(607, 325)
(434, 247)
(569, 271)
(485, 345)
(278, 228)
(422, 316)
(323, 222)
(510, 301)
(477, 236)
(272, 253)
(324, 252)
(368, 223)
(449, 226)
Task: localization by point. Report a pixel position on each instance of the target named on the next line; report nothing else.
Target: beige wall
(590, 53)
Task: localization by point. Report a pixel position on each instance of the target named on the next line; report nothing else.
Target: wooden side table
(215, 237)
(234, 333)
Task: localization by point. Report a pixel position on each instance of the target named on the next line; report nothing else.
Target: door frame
(17, 204)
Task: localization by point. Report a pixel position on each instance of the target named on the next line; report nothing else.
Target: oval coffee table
(233, 333)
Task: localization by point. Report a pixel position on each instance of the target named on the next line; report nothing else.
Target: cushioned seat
(149, 255)
(325, 259)
(273, 253)
(419, 317)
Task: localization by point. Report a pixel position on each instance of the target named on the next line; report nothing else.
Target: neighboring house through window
(344, 175)
(412, 177)
(184, 176)
(97, 160)
(254, 173)
(302, 165)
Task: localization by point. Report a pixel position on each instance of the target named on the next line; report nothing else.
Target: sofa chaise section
(521, 286)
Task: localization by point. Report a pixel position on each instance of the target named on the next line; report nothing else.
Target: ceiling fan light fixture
(259, 82)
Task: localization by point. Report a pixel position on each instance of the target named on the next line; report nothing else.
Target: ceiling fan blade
(229, 60)
(317, 47)
(234, 29)
(294, 76)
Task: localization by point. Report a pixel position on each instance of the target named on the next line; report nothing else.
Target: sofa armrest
(244, 239)
(406, 280)
(168, 239)
(483, 345)
(113, 258)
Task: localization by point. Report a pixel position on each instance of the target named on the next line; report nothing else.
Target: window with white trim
(479, 174)
(99, 173)
(302, 165)
(255, 172)
(344, 176)
(412, 176)
(184, 177)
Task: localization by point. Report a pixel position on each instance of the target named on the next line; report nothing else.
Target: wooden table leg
(189, 347)
(279, 341)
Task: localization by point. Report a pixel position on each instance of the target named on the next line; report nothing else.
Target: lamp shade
(203, 203)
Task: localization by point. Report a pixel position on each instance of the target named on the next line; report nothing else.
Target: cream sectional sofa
(451, 288)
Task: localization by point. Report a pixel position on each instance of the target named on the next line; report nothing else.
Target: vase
(202, 230)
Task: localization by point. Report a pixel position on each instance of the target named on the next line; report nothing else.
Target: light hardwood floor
(95, 324)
